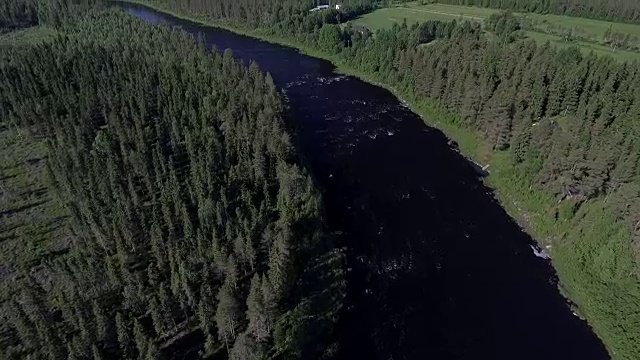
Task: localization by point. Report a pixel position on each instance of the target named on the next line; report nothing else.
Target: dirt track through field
(443, 13)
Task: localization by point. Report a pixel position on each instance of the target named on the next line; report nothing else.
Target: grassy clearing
(386, 17)
(589, 28)
(585, 47)
(584, 28)
(30, 36)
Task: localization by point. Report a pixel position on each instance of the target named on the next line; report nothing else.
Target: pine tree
(256, 311)
(157, 317)
(102, 323)
(471, 101)
(140, 338)
(245, 348)
(210, 344)
(22, 324)
(97, 354)
(123, 335)
(206, 314)
(270, 301)
(556, 95)
(280, 266)
(231, 271)
(153, 353)
(227, 315)
(522, 140)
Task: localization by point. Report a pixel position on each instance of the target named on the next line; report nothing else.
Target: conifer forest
(164, 209)
(191, 213)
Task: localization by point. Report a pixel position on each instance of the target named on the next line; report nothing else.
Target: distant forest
(195, 227)
(613, 10)
(565, 123)
(16, 14)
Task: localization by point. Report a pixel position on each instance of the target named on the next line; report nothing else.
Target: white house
(321, 7)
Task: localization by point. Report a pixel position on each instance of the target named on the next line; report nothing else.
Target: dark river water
(437, 269)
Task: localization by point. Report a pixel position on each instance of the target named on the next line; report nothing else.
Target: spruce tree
(227, 315)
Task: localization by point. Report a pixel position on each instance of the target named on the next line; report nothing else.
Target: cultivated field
(587, 34)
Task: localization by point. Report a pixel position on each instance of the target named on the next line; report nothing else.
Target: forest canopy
(192, 215)
(16, 14)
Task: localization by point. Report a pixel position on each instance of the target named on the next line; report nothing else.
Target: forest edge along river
(436, 267)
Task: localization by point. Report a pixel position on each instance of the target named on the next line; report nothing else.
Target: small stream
(436, 268)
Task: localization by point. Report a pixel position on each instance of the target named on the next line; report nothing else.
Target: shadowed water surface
(437, 269)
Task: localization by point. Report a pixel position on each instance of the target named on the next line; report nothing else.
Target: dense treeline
(566, 122)
(195, 225)
(615, 10)
(569, 118)
(291, 16)
(15, 14)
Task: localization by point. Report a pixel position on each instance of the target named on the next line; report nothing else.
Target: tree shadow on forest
(12, 212)
(7, 177)
(4, 238)
(35, 193)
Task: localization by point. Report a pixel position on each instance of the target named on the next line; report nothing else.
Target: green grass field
(585, 47)
(386, 17)
(589, 28)
(584, 28)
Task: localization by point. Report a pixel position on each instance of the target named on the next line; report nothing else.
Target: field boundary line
(442, 13)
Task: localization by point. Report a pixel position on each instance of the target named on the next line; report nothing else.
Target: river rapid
(436, 267)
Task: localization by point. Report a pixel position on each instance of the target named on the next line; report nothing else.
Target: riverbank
(469, 142)
(593, 275)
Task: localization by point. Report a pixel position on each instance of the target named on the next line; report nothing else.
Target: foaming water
(436, 268)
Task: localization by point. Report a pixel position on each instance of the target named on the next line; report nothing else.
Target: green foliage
(503, 24)
(247, 348)
(596, 257)
(227, 315)
(16, 14)
(330, 39)
(179, 187)
(256, 311)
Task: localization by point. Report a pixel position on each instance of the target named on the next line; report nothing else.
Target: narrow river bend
(438, 270)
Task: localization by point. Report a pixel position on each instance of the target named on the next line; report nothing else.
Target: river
(437, 269)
